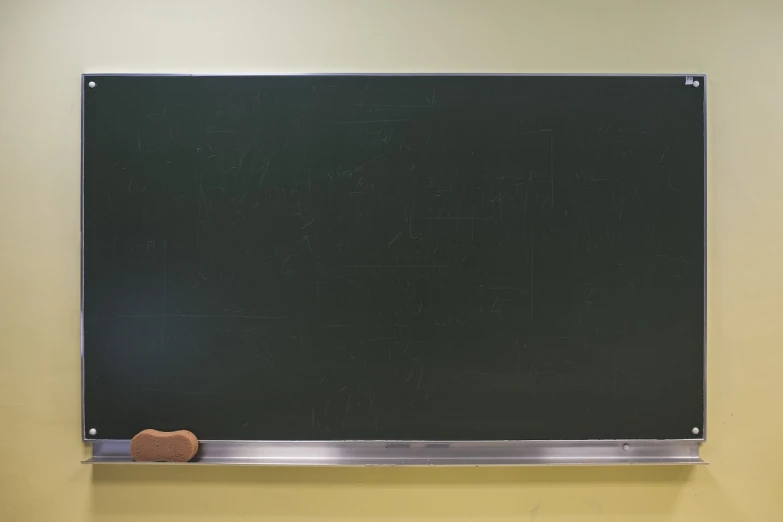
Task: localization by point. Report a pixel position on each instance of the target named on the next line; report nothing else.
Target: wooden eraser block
(163, 446)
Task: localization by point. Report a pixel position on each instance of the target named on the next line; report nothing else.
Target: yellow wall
(45, 46)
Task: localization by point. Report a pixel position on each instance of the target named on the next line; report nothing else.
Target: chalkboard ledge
(402, 453)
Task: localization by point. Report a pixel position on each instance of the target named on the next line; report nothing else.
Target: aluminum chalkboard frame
(402, 451)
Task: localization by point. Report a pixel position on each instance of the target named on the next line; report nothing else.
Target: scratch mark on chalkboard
(410, 375)
(371, 161)
(663, 155)
(308, 224)
(421, 305)
(492, 311)
(138, 138)
(374, 339)
(286, 260)
(421, 376)
(348, 403)
(340, 277)
(263, 173)
(395, 239)
(669, 181)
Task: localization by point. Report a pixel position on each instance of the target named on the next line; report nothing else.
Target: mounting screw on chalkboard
(695, 431)
(626, 447)
(93, 432)
(91, 85)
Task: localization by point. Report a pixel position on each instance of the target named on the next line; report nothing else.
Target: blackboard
(425, 257)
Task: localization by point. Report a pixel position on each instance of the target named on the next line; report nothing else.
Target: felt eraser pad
(163, 446)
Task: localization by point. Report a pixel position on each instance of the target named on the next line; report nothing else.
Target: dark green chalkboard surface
(394, 257)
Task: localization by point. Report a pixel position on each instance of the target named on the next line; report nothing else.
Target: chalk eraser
(163, 446)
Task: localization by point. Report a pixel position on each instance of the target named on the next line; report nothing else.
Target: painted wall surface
(45, 46)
